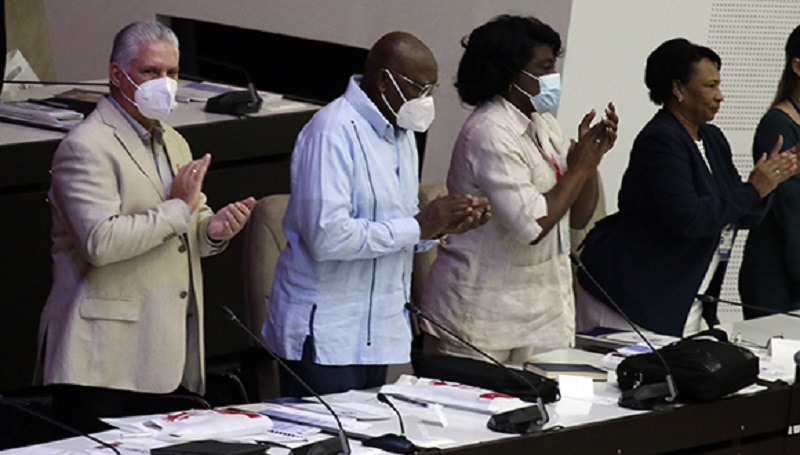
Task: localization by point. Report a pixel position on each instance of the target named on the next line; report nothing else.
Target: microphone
(645, 396)
(318, 447)
(705, 298)
(238, 102)
(524, 420)
(55, 422)
(391, 442)
(796, 366)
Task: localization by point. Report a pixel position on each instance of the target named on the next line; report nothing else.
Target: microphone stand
(543, 417)
(392, 442)
(345, 445)
(638, 395)
(705, 298)
(55, 422)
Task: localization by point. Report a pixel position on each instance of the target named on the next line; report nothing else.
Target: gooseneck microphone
(523, 420)
(345, 445)
(705, 298)
(392, 442)
(237, 102)
(385, 400)
(635, 397)
(55, 422)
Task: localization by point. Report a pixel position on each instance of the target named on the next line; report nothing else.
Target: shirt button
(182, 249)
(183, 294)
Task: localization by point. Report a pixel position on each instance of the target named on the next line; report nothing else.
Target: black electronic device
(536, 415)
(55, 422)
(209, 447)
(483, 374)
(518, 421)
(319, 448)
(646, 396)
(237, 102)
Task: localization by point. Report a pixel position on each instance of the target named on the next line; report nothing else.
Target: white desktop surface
(185, 114)
(463, 427)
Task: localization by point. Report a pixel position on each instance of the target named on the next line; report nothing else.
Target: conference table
(754, 421)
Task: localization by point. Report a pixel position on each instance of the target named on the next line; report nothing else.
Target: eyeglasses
(424, 90)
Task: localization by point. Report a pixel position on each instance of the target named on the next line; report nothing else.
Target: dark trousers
(81, 406)
(325, 379)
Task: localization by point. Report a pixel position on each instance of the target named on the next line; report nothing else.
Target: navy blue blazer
(651, 256)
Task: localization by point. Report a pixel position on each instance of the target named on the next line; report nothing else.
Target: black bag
(485, 375)
(705, 366)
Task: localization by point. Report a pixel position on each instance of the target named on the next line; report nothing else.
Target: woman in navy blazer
(680, 202)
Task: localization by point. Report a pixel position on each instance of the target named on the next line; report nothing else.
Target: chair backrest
(263, 242)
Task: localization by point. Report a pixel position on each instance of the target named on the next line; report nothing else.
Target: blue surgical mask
(549, 92)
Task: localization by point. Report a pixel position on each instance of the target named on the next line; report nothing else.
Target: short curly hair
(674, 60)
(495, 51)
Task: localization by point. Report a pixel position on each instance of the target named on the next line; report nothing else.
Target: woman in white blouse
(507, 286)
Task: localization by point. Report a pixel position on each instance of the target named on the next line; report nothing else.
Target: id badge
(563, 235)
(726, 242)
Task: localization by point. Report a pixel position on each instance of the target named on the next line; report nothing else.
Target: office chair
(263, 242)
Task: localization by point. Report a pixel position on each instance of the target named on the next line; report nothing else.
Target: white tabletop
(463, 427)
(185, 114)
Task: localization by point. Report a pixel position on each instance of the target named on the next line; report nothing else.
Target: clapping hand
(775, 168)
(187, 184)
(451, 214)
(230, 220)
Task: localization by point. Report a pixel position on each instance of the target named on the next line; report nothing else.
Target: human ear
(115, 75)
(677, 90)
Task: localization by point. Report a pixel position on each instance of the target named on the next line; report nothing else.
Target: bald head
(403, 54)
(398, 50)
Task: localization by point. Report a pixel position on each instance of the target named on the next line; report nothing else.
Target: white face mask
(549, 92)
(155, 98)
(415, 115)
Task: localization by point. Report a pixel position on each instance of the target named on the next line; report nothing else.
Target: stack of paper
(453, 394)
(39, 115)
(194, 425)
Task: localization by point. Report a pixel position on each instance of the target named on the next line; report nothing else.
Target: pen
(405, 399)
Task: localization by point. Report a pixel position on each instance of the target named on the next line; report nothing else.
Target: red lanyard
(550, 158)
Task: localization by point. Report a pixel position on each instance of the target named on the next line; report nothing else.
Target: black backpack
(705, 366)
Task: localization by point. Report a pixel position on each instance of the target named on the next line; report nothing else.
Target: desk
(753, 424)
(250, 158)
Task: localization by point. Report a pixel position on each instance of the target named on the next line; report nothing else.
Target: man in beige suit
(124, 319)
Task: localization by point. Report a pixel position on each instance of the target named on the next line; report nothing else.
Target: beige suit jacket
(123, 257)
